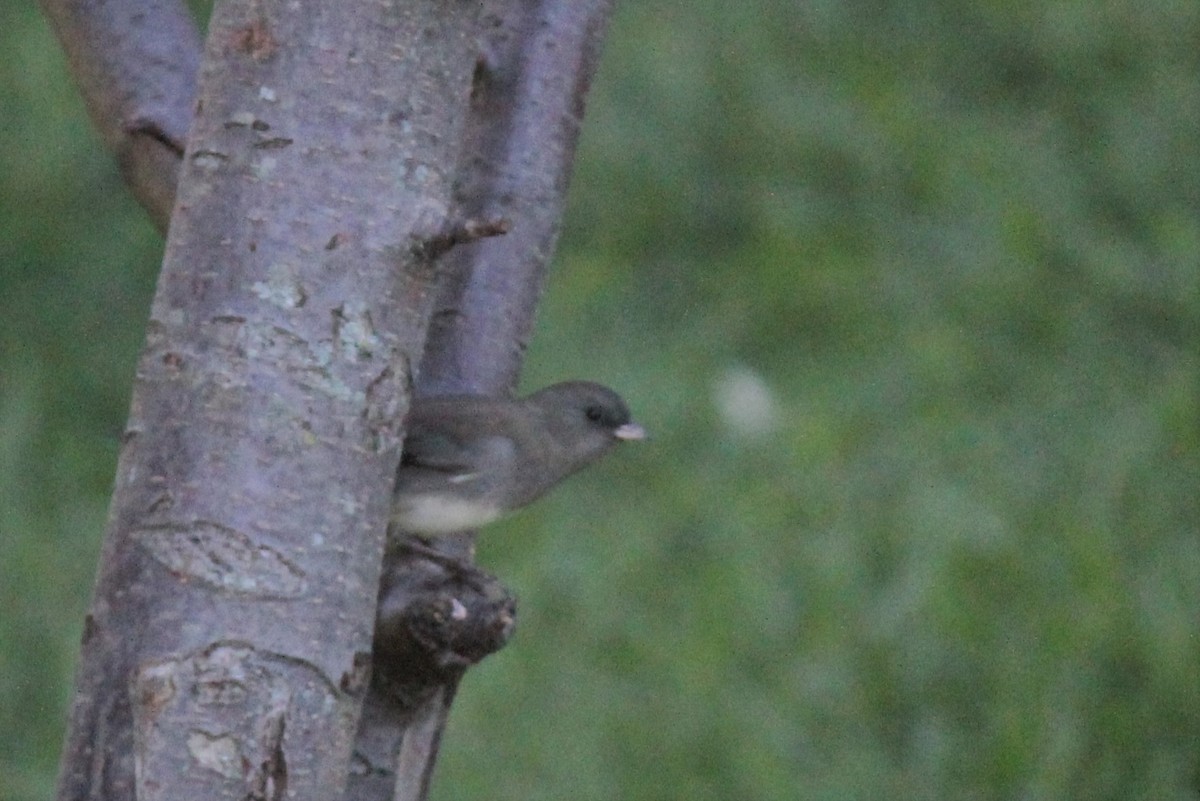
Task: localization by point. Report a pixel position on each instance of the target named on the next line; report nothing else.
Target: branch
(136, 63)
(531, 79)
(532, 75)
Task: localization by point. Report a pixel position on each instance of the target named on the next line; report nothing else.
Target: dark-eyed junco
(469, 460)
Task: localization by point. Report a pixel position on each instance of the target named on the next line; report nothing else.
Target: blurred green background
(907, 293)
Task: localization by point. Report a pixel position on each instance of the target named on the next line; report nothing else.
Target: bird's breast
(438, 513)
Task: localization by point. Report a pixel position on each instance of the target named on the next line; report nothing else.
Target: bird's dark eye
(594, 413)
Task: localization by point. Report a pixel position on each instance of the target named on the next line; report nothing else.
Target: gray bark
(136, 64)
(227, 649)
(536, 64)
(537, 61)
(226, 653)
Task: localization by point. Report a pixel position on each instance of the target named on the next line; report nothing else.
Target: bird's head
(587, 417)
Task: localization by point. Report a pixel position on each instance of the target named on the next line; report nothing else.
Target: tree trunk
(227, 649)
(536, 66)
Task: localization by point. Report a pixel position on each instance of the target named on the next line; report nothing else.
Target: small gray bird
(469, 460)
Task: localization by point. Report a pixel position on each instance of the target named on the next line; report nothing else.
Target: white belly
(440, 514)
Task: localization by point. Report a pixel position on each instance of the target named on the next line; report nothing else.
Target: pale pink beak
(629, 431)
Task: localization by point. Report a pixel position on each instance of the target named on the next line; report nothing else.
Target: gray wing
(434, 458)
(438, 451)
(445, 452)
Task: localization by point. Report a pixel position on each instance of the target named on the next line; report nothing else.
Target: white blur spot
(745, 403)
(266, 93)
